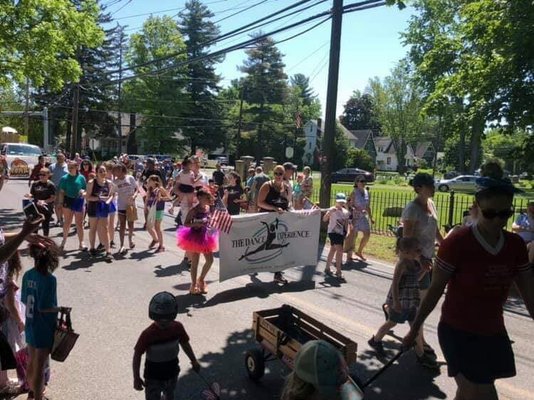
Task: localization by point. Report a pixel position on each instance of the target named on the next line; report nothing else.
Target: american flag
(221, 220)
(298, 120)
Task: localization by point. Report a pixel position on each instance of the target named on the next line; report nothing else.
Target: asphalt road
(110, 310)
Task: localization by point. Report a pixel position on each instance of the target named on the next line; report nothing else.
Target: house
(313, 132)
(362, 139)
(386, 155)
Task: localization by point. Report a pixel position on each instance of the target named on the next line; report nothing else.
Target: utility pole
(119, 94)
(238, 136)
(27, 109)
(74, 123)
(328, 145)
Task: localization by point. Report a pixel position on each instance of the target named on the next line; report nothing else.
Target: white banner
(269, 242)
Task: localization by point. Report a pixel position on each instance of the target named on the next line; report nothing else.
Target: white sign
(289, 152)
(269, 242)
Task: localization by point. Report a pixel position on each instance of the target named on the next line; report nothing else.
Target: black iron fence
(387, 206)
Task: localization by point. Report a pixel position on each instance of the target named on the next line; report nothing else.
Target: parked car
(350, 175)
(20, 158)
(451, 174)
(466, 183)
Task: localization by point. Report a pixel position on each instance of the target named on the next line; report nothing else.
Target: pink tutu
(195, 240)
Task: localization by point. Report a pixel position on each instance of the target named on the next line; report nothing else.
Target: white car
(20, 157)
(465, 183)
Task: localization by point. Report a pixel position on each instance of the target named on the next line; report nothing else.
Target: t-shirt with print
(39, 292)
(161, 346)
(338, 220)
(481, 276)
(425, 225)
(125, 190)
(43, 191)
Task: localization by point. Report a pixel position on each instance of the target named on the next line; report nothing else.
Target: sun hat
(320, 364)
(341, 198)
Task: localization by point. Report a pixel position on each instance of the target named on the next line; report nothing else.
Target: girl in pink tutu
(196, 237)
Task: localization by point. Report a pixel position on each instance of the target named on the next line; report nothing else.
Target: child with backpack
(161, 343)
(403, 298)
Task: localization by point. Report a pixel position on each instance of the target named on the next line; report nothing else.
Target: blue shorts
(74, 204)
(113, 207)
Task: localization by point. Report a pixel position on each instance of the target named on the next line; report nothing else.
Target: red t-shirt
(481, 279)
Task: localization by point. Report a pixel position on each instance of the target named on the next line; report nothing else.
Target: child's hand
(138, 383)
(195, 365)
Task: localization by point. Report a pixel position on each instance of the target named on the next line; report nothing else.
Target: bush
(359, 158)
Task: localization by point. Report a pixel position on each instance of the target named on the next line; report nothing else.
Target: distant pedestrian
(362, 218)
(58, 170)
(307, 183)
(259, 179)
(161, 343)
(34, 175)
(154, 208)
(196, 237)
(338, 220)
(4, 171)
(233, 194)
(127, 191)
(72, 189)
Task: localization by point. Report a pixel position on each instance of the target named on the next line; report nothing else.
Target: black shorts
(336, 238)
(481, 359)
(186, 188)
(121, 212)
(407, 315)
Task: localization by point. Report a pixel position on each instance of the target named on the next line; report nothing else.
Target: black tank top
(276, 199)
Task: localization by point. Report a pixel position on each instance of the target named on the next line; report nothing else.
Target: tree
(398, 105)
(506, 147)
(474, 59)
(306, 91)
(157, 92)
(205, 125)
(359, 158)
(360, 113)
(264, 86)
(39, 40)
(97, 96)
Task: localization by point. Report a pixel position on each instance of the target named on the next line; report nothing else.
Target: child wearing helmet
(161, 343)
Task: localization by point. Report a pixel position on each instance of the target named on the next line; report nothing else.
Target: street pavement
(110, 301)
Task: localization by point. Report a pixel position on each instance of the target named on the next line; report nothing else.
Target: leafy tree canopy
(360, 112)
(39, 40)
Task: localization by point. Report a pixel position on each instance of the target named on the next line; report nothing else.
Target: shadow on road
(11, 218)
(404, 380)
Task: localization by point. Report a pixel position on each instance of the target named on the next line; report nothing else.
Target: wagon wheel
(255, 364)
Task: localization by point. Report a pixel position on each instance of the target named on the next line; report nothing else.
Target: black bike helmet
(163, 306)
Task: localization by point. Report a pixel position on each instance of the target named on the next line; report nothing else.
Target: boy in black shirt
(161, 342)
(43, 192)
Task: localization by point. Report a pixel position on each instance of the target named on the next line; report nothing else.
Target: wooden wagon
(282, 331)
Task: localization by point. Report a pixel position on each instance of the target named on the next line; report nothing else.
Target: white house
(386, 156)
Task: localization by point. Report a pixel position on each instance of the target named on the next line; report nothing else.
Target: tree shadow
(171, 270)
(403, 380)
(516, 305)
(83, 260)
(11, 218)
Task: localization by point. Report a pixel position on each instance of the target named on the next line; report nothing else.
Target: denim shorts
(406, 315)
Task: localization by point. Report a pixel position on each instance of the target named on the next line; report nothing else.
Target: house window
(388, 161)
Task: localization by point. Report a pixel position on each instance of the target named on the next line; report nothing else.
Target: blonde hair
(279, 168)
(296, 389)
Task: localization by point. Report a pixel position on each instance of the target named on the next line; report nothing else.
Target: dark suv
(350, 175)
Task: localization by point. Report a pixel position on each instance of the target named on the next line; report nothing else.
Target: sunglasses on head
(501, 214)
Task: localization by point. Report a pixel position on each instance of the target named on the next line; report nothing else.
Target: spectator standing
(72, 188)
(289, 171)
(338, 219)
(362, 218)
(4, 171)
(43, 193)
(218, 177)
(524, 227)
(34, 175)
(86, 169)
(478, 265)
(259, 179)
(58, 170)
(161, 343)
(307, 183)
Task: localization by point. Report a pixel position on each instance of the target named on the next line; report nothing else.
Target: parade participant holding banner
(274, 197)
(197, 237)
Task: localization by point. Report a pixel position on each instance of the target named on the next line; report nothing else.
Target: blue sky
(370, 39)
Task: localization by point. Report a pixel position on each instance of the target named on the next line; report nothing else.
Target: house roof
(422, 148)
(361, 137)
(386, 143)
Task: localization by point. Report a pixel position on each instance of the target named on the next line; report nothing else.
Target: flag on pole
(221, 220)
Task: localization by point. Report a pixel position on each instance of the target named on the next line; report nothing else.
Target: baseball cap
(341, 198)
(319, 363)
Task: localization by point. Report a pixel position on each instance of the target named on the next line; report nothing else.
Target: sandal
(340, 276)
(361, 256)
(152, 244)
(202, 286)
(427, 361)
(328, 272)
(194, 290)
(160, 249)
(132, 245)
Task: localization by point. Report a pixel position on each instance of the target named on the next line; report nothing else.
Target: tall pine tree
(205, 127)
(264, 85)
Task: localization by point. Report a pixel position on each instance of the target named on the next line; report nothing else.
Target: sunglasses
(501, 214)
(43, 174)
(278, 174)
